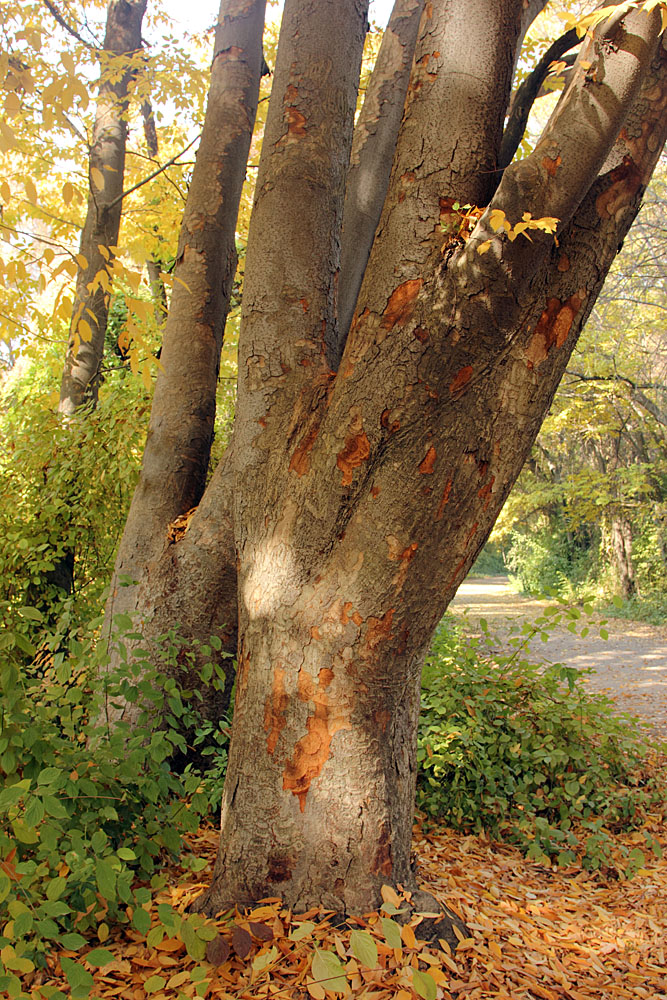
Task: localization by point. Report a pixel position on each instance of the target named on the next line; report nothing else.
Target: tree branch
(526, 95)
(155, 173)
(68, 27)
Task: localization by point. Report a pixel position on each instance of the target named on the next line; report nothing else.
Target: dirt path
(630, 666)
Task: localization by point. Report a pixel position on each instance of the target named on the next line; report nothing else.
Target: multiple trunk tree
(368, 464)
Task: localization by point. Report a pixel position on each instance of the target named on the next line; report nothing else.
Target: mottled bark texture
(180, 434)
(353, 501)
(85, 347)
(363, 498)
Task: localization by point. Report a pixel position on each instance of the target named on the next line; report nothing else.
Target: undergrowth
(525, 753)
(89, 812)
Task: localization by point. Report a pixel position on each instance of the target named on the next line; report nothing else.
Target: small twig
(64, 24)
(155, 173)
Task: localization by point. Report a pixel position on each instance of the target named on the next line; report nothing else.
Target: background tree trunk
(85, 347)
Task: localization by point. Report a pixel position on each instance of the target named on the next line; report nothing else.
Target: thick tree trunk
(85, 347)
(363, 498)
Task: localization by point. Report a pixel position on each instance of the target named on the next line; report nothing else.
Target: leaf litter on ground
(537, 933)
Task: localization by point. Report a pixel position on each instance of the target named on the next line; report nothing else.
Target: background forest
(586, 521)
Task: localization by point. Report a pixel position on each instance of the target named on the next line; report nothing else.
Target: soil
(630, 667)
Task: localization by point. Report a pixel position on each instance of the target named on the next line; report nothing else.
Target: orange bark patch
(551, 166)
(382, 864)
(300, 460)
(563, 262)
(347, 615)
(382, 718)
(225, 55)
(445, 500)
(312, 750)
(379, 629)
(552, 328)
(626, 180)
(455, 575)
(485, 492)
(401, 304)
(355, 451)
(274, 710)
(405, 559)
(472, 533)
(304, 304)
(427, 463)
(460, 380)
(296, 123)
(375, 492)
(421, 334)
(315, 633)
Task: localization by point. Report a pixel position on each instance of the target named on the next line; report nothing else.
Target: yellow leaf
(408, 935)
(6, 192)
(7, 137)
(498, 220)
(97, 177)
(84, 330)
(483, 247)
(68, 192)
(134, 361)
(390, 895)
(67, 59)
(30, 189)
(81, 261)
(103, 250)
(12, 104)
(146, 377)
(495, 950)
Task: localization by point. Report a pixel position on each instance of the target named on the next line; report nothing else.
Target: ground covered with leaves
(536, 932)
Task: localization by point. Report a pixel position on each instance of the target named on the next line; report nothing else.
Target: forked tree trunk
(359, 497)
(362, 498)
(106, 171)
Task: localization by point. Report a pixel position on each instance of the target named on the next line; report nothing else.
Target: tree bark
(180, 433)
(621, 548)
(372, 154)
(85, 347)
(363, 498)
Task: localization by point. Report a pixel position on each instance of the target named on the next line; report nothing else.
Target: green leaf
(80, 980)
(327, 970)
(48, 775)
(72, 941)
(141, 920)
(392, 932)
(99, 957)
(364, 948)
(424, 985)
(154, 983)
(302, 931)
(105, 876)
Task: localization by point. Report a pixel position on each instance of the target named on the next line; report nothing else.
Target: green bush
(88, 812)
(524, 753)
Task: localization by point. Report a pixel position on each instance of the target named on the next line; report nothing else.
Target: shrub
(525, 753)
(80, 834)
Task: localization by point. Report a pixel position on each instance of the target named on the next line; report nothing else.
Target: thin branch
(64, 24)
(155, 173)
(526, 95)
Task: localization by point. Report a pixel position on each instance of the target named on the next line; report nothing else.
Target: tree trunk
(85, 347)
(621, 547)
(352, 502)
(180, 434)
